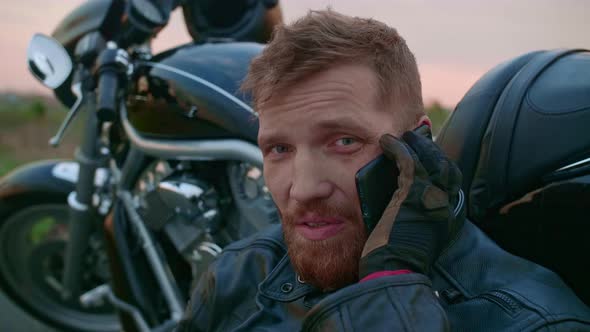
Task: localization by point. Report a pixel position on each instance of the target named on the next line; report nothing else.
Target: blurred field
(27, 123)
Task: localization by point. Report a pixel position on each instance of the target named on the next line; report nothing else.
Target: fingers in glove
(404, 157)
(442, 171)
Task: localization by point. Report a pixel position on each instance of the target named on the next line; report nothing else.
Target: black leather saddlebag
(521, 136)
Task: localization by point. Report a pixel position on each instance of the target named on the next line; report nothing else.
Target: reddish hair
(324, 38)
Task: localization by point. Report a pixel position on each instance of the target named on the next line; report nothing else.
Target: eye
(346, 145)
(345, 141)
(278, 149)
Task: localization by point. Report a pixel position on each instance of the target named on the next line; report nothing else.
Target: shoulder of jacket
(479, 269)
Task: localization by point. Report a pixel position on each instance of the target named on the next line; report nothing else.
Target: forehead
(355, 80)
(342, 97)
(344, 84)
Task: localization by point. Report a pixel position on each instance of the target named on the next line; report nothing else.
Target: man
(332, 93)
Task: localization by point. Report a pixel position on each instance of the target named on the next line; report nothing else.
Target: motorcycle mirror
(48, 61)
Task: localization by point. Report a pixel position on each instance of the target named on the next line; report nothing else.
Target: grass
(7, 161)
(26, 124)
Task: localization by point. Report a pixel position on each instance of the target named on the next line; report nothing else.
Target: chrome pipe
(576, 164)
(218, 149)
(174, 303)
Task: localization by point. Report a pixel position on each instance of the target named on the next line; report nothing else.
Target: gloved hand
(415, 225)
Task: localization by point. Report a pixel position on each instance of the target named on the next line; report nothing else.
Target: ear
(424, 120)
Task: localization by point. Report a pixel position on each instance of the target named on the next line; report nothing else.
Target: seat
(521, 137)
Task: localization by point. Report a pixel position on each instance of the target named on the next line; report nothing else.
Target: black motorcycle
(167, 173)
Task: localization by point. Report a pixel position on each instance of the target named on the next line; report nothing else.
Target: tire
(33, 234)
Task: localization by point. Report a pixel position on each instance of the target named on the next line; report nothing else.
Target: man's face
(315, 136)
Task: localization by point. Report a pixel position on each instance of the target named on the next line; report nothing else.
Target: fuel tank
(192, 92)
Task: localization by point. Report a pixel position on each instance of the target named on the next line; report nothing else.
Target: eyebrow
(330, 125)
(343, 124)
(270, 138)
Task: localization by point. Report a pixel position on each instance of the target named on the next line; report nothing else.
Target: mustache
(318, 207)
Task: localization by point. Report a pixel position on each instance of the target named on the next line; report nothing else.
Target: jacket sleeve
(198, 312)
(395, 303)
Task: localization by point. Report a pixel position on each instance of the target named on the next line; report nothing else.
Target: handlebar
(112, 65)
(108, 85)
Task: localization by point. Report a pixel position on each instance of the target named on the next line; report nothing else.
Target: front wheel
(33, 237)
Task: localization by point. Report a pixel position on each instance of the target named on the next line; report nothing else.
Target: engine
(200, 207)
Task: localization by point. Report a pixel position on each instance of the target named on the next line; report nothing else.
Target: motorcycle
(166, 174)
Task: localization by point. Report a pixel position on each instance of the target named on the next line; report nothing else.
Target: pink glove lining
(380, 274)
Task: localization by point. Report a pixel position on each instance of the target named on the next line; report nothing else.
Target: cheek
(275, 181)
(342, 175)
(348, 172)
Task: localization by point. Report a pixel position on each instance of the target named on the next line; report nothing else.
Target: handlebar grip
(108, 86)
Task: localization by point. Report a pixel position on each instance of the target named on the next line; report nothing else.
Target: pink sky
(455, 41)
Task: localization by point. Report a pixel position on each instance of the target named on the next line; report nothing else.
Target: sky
(455, 41)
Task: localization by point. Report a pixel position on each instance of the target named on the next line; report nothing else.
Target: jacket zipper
(501, 298)
(504, 300)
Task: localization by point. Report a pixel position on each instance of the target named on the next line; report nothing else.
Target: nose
(310, 179)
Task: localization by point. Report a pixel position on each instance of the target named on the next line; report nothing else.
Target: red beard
(327, 264)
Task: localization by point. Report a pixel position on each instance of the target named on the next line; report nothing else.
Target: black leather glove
(416, 224)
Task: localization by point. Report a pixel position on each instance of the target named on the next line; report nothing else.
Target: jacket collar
(282, 283)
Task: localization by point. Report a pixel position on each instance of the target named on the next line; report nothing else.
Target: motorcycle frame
(193, 150)
(90, 157)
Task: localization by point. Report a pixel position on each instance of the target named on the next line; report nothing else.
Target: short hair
(324, 38)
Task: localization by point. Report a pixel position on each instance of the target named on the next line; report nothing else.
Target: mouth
(316, 228)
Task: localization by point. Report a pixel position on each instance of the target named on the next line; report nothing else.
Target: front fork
(82, 215)
(112, 64)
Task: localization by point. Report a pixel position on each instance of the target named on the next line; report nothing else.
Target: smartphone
(376, 182)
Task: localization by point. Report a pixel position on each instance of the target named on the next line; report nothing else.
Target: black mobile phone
(376, 182)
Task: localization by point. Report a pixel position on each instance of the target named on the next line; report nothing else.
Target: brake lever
(56, 139)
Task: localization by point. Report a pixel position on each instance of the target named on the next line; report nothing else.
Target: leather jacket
(473, 286)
